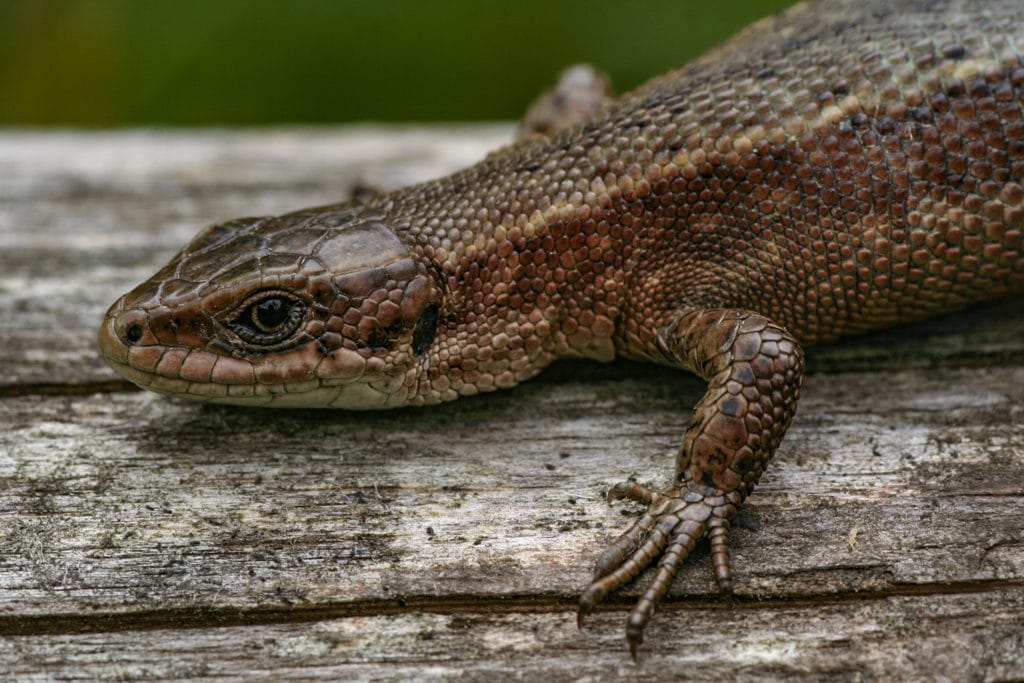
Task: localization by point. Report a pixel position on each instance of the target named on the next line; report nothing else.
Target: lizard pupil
(270, 314)
(267, 318)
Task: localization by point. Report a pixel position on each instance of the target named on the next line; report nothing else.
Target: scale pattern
(843, 166)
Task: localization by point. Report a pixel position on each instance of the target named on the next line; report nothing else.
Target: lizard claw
(635, 637)
(634, 491)
(668, 531)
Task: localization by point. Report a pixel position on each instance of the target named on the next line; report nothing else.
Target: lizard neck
(528, 253)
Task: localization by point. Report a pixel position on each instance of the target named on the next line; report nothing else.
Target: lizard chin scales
(356, 396)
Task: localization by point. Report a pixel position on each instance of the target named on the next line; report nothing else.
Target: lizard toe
(666, 533)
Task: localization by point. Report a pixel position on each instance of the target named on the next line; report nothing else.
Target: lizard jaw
(340, 379)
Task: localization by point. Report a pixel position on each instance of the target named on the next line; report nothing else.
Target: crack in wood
(63, 624)
(61, 389)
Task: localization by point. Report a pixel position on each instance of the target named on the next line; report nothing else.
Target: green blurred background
(246, 62)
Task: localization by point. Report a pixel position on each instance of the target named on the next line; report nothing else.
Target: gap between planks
(64, 624)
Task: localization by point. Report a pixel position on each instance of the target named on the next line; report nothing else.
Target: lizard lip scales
(203, 376)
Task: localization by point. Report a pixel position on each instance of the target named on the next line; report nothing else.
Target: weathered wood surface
(142, 537)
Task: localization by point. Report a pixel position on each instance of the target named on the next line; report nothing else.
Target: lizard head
(319, 308)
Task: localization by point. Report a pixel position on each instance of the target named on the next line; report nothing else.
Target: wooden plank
(180, 505)
(454, 539)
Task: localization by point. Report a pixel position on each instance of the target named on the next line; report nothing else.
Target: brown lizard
(843, 166)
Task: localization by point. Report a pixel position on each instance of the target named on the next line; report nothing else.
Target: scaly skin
(844, 166)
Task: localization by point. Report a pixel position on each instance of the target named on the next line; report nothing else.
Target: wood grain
(147, 538)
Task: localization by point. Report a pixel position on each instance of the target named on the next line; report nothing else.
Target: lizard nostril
(130, 327)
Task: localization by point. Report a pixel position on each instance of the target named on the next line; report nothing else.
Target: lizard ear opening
(426, 329)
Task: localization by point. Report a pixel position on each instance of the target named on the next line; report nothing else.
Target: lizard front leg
(753, 368)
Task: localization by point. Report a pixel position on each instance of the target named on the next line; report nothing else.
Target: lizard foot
(670, 528)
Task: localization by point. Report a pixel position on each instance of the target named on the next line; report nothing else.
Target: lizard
(842, 166)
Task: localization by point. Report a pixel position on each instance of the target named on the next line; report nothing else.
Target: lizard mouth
(301, 377)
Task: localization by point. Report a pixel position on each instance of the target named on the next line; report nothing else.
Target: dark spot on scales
(378, 342)
(858, 120)
(426, 329)
(731, 407)
(921, 113)
(953, 51)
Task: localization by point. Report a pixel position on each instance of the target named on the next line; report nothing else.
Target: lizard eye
(268, 317)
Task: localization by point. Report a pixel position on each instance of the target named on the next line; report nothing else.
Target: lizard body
(843, 166)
